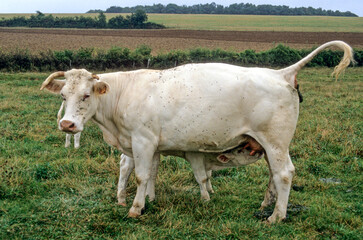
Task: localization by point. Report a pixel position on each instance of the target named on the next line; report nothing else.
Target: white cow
(77, 136)
(195, 108)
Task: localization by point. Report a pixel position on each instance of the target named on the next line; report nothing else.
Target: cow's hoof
(274, 219)
(206, 198)
(122, 204)
(263, 206)
(134, 213)
(210, 190)
(151, 196)
(121, 198)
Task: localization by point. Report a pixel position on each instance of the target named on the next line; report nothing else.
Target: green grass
(244, 22)
(48, 192)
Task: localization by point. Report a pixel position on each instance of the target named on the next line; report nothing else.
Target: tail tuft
(291, 71)
(344, 63)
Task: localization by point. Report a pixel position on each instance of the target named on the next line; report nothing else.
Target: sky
(74, 6)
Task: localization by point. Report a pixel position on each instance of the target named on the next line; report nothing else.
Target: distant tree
(236, 8)
(138, 18)
(95, 11)
(114, 9)
(40, 14)
(172, 8)
(101, 20)
(118, 22)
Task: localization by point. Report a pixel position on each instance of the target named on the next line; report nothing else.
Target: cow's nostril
(67, 126)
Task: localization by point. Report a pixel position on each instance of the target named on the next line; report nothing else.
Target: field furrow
(165, 40)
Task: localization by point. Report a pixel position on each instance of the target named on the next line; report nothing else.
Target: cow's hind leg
(209, 183)
(150, 189)
(126, 167)
(282, 171)
(197, 162)
(270, 195)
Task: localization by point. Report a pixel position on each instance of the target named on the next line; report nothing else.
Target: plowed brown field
(165, 40)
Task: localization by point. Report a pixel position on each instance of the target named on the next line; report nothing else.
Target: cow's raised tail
(291, 71)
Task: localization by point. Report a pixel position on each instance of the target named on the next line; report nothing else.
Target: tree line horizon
(137, 20)
(236, 8)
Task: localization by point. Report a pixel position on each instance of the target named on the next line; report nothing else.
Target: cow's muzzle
(68, 126)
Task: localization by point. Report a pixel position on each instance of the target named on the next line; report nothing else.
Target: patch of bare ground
(37, 40)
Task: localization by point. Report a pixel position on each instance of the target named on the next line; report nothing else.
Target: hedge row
(125, 59)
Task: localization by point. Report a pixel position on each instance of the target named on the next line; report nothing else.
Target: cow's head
(80, 91)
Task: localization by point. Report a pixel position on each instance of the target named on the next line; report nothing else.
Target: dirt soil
(165, 40)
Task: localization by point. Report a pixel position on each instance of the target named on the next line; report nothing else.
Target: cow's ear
(55, 86)
(101, 88)
(223, 158)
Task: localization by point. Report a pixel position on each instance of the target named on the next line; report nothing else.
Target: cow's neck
(107, 105)
(108, 113)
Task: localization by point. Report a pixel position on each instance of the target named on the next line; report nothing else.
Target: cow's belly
(213, 125)
(204, 134)
(213, 120)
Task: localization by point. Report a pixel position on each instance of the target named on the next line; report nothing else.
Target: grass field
(48, 191)
(259, 23)
(245, 22)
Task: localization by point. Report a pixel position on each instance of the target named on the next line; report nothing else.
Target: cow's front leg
(197, 162)
(126, 167)
(282, 171)
(150, 190)
(77, 138)
(143, 151)
(68, 140)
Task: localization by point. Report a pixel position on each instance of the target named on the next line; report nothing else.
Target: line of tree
(137, 20)
(236, 8)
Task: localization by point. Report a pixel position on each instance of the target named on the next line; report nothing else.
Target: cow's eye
(85, 97)
(64, 98)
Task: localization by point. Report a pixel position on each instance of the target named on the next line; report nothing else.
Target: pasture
(241, 22)
(48, 191)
